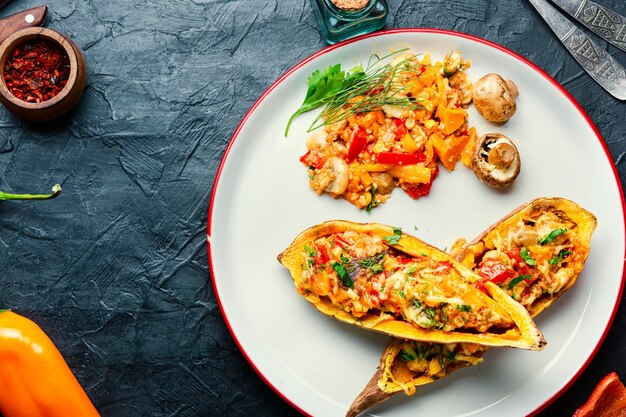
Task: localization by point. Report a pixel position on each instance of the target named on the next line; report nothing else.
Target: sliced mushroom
(340, 174)
(494, 98)
(496, 161)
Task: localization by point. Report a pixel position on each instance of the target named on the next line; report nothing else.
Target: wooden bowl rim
(24, 35)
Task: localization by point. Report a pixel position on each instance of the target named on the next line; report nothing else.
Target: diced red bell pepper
(358, 143)
(420, 190)
(400, 129)
(341, 242)
(322, 255)
(518, 263)
(395, 158)
(312, 159)
(497, 274)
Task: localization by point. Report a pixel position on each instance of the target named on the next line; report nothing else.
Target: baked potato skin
(380, 388)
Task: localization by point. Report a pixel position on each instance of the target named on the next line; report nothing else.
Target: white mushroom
(494, 98)
(317, 139)
(339, 171)
(496, 161)
(451, 62)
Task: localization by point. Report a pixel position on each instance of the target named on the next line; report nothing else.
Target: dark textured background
(115, 270)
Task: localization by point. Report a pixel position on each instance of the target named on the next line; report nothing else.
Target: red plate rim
(414, 30)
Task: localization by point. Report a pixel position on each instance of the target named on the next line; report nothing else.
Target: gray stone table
(115, 271)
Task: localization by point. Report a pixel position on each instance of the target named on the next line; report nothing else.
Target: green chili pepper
(56, 190)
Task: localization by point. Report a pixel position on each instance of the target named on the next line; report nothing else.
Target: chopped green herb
(424, 254)
(415, 227)
(421, 350)
(311, 259)
(464, 307)
(373, 263)
(397, 234)
(549, 238)
(562, 254)
(430, 314)
(373, 203)
(517, 280)
(526, 256)
(417, 304)
(343, 274)
(408, 353)
(401, 293)
(411, 270)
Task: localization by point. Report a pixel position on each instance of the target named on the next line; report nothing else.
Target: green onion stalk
(56, 190)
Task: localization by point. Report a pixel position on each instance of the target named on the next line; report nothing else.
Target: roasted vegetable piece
(376, 277)
(556, 234)
(56, 190)
(608, 399)
(35, 381)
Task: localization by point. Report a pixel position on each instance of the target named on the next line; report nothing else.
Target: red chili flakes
(36, 71)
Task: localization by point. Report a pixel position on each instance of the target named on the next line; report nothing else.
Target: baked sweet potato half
(535, 254)
(376, 277)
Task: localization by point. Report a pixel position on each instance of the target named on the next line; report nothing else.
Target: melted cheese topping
(362, 275)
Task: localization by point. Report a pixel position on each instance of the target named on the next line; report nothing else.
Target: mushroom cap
(494, 98)
(496, 160)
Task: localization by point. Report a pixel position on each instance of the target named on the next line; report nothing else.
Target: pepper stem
(56, 190)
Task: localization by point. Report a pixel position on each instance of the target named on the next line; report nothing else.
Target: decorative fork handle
(604, 22)
(599, 64)
(605, 70)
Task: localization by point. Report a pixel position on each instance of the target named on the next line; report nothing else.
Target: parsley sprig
(517, 280)
(342, 270)
(550, 237)
(397, 234)
(523, 253)
(557, 259)
(356, 91)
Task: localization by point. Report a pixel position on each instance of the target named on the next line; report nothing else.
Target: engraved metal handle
(606, 23)
(596, 61)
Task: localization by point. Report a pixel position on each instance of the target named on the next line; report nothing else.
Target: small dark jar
(343, 19)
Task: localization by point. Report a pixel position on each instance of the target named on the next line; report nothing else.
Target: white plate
(261, 201)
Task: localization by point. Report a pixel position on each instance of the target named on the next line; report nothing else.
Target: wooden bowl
(66, 99)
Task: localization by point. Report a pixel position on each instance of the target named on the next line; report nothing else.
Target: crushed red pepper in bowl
(36, 70)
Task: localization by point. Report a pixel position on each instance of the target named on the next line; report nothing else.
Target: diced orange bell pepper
(449, 149)
(468, 150)
(453, 119)
(408, 143)
(414, 174)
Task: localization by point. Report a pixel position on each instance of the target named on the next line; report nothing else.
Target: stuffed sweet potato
(374, 276)
(535, 254)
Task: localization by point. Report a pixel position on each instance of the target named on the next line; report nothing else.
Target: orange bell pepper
(35, 381)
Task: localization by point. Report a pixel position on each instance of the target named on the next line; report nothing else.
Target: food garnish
(495, 256)
(324, 86)
(378, 278)
(56, 190)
